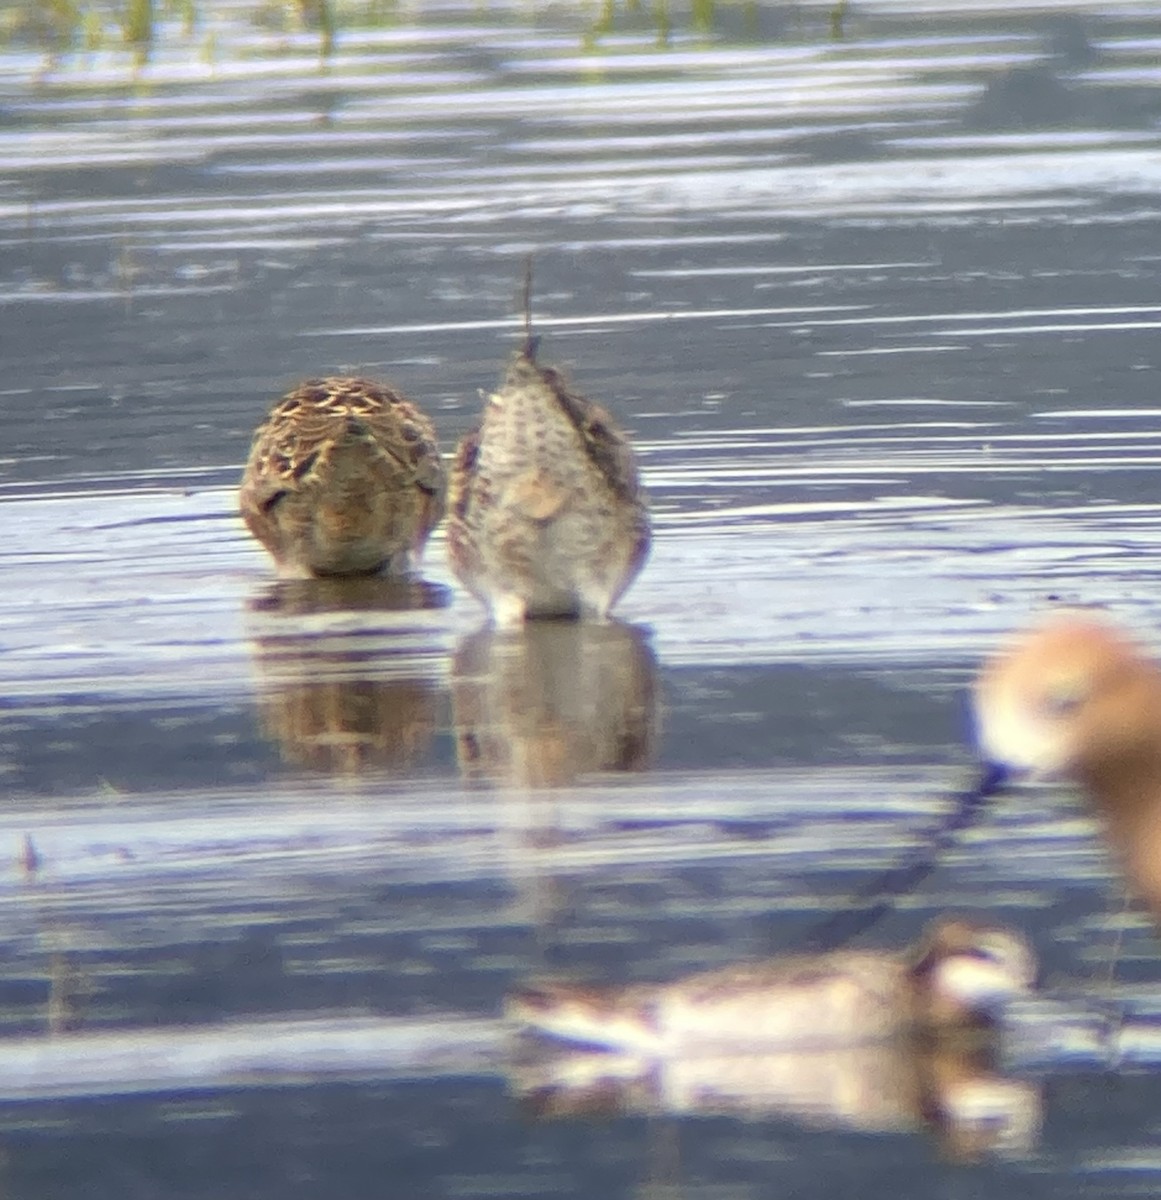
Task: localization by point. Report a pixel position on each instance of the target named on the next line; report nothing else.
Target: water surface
(881, 315)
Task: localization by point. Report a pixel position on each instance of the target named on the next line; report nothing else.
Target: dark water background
(881, 315)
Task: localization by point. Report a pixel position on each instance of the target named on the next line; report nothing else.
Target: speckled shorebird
(547, 516)
(344, 478)
(956, 977)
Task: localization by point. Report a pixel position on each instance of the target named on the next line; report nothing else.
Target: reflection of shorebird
(956, 977)
(350, 695)
(555, 700)
(948, 1085)
(344, 478)
(1077, 699)
(546, 514)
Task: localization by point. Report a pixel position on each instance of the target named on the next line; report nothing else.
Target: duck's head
(965, 969)
(1074, 698)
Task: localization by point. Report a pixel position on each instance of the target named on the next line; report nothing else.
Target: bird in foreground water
(957, 977)
(1077, 699)
(344, 478)
(547, 516)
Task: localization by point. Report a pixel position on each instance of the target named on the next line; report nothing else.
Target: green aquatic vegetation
(703, 18)
(137, 23)
(64, 26)
(838, 14)
(52, 24)
(658, 16)
(320, 15)
(71, 26)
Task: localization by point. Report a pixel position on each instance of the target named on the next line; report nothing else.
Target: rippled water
(882, 317)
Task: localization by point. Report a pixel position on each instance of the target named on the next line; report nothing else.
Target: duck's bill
(581, 1016)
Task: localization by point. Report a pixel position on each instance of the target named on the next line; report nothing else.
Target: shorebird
(1074, 699)
(1078, 699)
(344, 478)
(955, 978)
(547, 516)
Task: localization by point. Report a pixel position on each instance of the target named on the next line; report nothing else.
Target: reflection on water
(871, 1039)
(881, 315)
(344, 685)
(554, 701)
(366, 594)
(947, 1086)
(1053, 92)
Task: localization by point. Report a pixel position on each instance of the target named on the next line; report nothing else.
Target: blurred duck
(948, 1087)
(344, 478)
(547, 516)
(1077, 699)
(956, 978)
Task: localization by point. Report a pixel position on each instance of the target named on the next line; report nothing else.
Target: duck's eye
(1063, 699)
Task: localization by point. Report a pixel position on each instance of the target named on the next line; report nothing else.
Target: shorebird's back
(547, 512)
(344, 477)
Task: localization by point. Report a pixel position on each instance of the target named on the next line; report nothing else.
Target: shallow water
(881, 316)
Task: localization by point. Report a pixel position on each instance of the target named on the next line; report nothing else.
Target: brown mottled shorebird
(344, 478)
(547, 516)
(958, 975)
